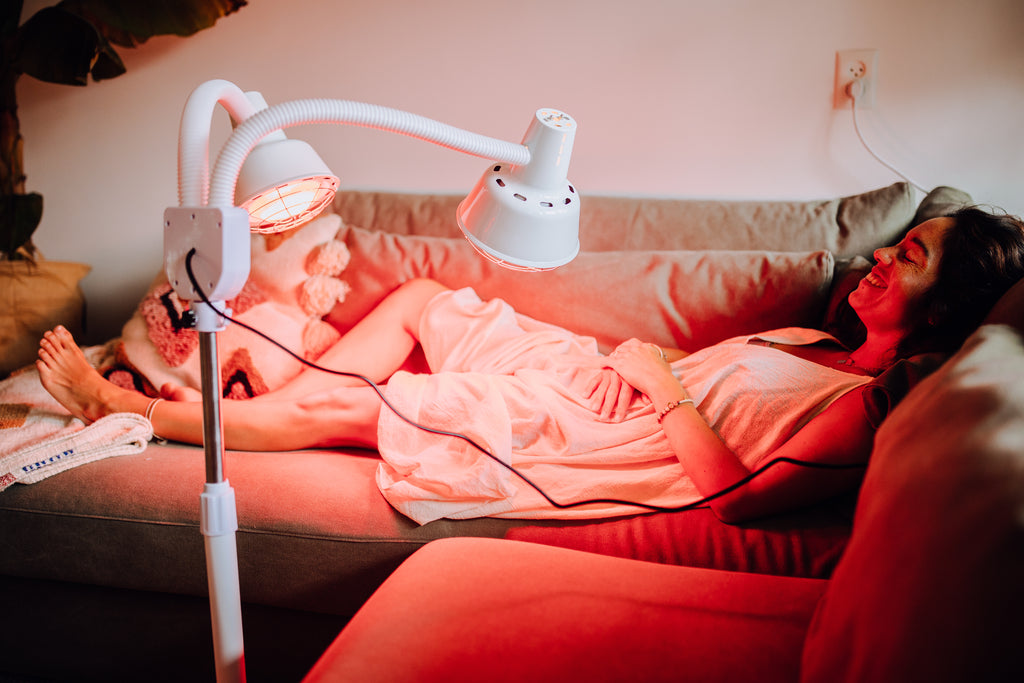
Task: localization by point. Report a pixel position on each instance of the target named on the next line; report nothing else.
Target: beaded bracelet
(672, 405)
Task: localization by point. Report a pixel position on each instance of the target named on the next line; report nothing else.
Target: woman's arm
(841, 434)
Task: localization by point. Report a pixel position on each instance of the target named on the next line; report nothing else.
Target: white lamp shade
(527, 216)
(282, 184)
(518, 226)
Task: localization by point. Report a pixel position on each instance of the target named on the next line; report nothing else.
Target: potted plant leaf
(66, 43)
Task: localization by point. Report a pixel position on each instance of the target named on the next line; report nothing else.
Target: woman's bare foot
(76, 385)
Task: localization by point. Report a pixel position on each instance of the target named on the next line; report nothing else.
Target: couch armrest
(929, 587)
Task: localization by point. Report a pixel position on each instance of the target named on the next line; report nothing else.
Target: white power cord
(854, 90)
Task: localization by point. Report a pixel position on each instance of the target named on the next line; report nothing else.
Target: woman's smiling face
(887, 297)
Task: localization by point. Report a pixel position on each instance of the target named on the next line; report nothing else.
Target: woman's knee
(420, 289)
(412, 297)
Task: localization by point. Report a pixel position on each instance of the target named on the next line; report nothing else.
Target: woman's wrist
(668, 393)
(672, 405)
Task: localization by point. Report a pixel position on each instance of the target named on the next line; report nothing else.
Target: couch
(107, 558)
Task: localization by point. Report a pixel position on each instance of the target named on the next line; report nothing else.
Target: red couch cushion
(492, 610)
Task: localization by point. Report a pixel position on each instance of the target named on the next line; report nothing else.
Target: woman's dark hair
(983, 256)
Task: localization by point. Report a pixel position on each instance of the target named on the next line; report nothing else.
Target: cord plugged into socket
(856, 75)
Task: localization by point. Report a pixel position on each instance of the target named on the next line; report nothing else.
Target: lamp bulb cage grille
(287, 206)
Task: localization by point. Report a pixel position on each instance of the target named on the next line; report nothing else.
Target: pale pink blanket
(514, 386)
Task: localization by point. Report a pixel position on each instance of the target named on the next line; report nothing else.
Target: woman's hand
(643, 366)
(609, 395)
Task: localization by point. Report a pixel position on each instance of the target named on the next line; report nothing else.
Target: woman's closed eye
(915, 252)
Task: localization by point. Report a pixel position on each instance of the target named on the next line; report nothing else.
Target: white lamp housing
(283, 183)
(287, 204)
(527, 216)
(220, 238)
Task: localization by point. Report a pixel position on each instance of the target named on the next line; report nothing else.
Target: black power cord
(702, 502)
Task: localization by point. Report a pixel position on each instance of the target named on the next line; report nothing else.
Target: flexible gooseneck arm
(300, 112)
(194, 135)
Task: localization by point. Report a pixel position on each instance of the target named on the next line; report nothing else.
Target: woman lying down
(644, 423)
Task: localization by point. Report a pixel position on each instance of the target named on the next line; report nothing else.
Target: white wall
(682, 98)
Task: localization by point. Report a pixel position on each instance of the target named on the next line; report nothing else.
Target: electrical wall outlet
(854, 65)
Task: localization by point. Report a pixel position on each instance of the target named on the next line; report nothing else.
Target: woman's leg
(342, 416)
(376, 347)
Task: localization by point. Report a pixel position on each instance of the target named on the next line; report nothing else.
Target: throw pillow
(35, 298)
